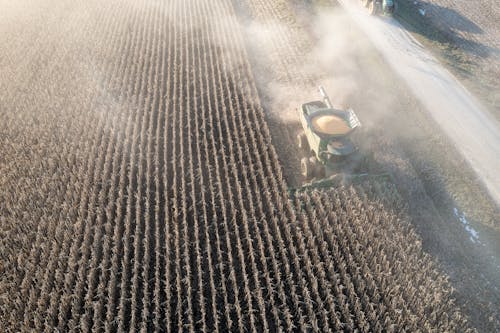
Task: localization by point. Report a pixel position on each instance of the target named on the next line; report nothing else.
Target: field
(297, 49)
(140, 188)
(466, 37)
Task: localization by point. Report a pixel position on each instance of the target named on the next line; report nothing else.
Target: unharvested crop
(167, 210)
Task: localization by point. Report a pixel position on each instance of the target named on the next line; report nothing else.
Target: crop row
(177, 215)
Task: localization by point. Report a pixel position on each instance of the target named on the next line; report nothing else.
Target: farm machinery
(325, 138)
(330, 156)
(379, 7)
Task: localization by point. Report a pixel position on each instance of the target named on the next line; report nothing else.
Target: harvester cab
(326, 137)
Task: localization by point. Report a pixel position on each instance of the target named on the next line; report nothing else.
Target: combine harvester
(380, 7)
(330, 155)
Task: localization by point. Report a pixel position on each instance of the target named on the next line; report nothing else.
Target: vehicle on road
(380, 7)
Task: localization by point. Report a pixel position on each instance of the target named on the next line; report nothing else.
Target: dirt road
(474, 131)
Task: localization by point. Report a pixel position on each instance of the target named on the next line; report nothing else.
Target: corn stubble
(173, 213)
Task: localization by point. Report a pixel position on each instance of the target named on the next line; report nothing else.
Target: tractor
(326, 139)
(380, 7)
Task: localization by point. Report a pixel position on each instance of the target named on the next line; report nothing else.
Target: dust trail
(292, 63)
(467, 123)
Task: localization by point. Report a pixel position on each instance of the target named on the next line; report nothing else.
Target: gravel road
(473, 26)
(474, 131)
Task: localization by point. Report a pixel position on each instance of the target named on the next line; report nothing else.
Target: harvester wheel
(302, 141)
(306, 168)
(392, 9)
(320, 171)
(316, 167)
(373, 7)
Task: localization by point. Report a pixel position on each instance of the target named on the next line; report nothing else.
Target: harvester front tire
(317, 168)
(306, 168)
(302, 141)
(392, 9)
(320, 171)
(373, 8)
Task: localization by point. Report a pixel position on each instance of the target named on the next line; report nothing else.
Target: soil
(299, 48)
(459, 114)
(141, 189)
(466, 37)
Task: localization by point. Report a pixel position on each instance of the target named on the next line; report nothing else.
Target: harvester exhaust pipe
(326, 99)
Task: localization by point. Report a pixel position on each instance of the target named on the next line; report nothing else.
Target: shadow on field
(440, 24)
(453, 19)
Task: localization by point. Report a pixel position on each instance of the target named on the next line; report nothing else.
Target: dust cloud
(469, 125)
(292, 63)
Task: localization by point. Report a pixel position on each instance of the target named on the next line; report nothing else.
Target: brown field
(466, 36)
(299, 46)
(140, 189)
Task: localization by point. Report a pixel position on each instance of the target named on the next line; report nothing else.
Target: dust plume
(292, 63)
